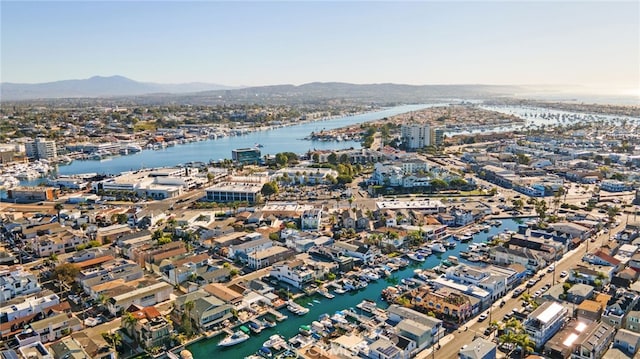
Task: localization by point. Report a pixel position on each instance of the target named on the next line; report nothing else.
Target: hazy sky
(256, 43)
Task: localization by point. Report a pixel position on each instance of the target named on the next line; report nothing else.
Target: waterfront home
(480, 298)
(544, 322)
(444, 302)
(435, 331)
(491, 279)
(357, 249)
(295, 273)
(16, 281)
(627, 341)
(32, 194)
(348, 345)
(55, 327)
(526, 257)
(593, 342)
(208, 311)
(150, 328)
(224, 293)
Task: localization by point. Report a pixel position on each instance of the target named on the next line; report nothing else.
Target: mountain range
(97, 86)
(122, 88)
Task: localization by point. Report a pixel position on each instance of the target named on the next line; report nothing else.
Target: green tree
(66, 272)
(129, 322)
(438, 184)
(157, 234)
(332, 158)
(541, 209)
(269, 189)
(281, 159)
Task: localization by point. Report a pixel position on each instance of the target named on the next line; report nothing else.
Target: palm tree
(129, 321)
(58, 207)
(186, 320)
(525, 343)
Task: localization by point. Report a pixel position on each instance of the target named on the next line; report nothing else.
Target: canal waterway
(281, 139)
(209, 348)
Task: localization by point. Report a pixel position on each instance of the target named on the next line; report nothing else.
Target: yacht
(275, 340)
(416, 257)
(236, 338)
(438, 247)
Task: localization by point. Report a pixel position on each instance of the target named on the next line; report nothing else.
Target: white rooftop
(550, 312)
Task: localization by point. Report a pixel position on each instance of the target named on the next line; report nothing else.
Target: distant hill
(97, 86)
(329, 91)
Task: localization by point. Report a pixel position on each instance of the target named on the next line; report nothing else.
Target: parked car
(483, 317)
(551, 268)
(563, 274)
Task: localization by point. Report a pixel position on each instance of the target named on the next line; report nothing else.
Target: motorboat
(296, 308)
(275, 340)
(437, 247)
(233, 339)
(416, 257)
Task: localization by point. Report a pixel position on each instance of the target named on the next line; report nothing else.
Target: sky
(578, 43)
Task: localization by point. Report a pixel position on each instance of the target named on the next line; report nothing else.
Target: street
(461, 337)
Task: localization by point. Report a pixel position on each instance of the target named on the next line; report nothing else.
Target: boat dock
(279, 316)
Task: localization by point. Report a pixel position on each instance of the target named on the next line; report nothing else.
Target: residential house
(149, 328)
(254, 243)
(224, 293)
(56, 327)
(480, 348)
(208, 311)
(500, 255)
(294, 273)
(358, 250)
(593, 342)
(589, 311)
(16, 281)
(68, 348)
(28, 307)
(579, 292)
(627, 341)
(544, 322)
(311, 220)
(443, 302)
(269, 256)
(145, 297)
(618, 307)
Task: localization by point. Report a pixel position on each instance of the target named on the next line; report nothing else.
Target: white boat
(236, 338)
(296, 308)
(274, 341)
(340, 291)
(437, 247)
(416, 257)
(339, 318)
(371, 275)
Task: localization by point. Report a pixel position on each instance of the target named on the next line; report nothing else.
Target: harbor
(346, 303)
